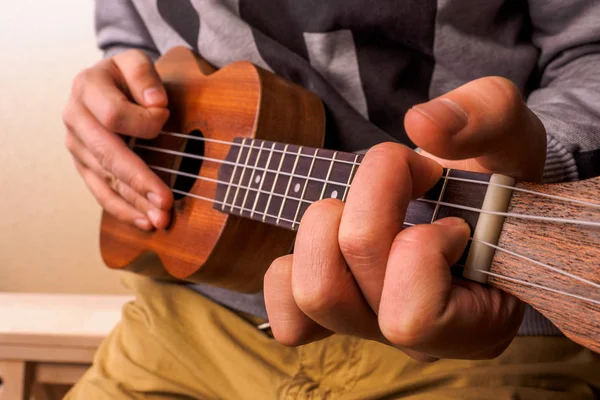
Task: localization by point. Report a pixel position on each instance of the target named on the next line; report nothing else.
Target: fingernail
(154, 217)
(154, 199)
(143, 224)
(450, 221)
(445, 113)
(154, 97)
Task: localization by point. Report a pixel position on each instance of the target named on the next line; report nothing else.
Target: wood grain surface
(569, 248)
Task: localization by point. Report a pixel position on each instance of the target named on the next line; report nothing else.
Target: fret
(237, 190)
(306, 184)
(237, 160)
(341, 175)
(269, 189)
(263, 179)
(297, 182)
(274, 186)
(441, 196)
(275, 183)
(251, 194)
(350, 177)
(466, 194)
(289, 183)
(331, 164)
(317, 181)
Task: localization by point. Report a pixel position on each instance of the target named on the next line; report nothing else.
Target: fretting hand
(356, 271)
(119, 95)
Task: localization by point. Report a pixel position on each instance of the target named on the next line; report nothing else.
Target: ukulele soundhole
(188, 165)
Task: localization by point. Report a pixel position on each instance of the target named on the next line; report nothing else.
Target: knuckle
(141, 71)
(117, 186)
(70, 142)
(111, 115)
(137, 65)
(136, 181)
(414, 236)
(358, 246)
(68, 115)
(137, 201)
(407, 332)
(314, 298)
(80, 81)
(106, 159)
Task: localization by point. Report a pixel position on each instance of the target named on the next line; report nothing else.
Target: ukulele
(241, 152)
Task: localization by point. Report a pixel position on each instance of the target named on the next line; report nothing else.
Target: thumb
(141, 79)
(485, 120)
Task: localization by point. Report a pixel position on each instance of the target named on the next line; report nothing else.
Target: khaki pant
(174, 344)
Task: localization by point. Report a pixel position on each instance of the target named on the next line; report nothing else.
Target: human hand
(119, 95)
(356, 271)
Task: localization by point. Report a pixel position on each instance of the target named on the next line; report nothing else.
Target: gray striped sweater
(371, 60)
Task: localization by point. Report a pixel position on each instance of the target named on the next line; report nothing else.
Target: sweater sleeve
(567, 34)
(119, 27)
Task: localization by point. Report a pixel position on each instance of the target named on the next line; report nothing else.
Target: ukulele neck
(275, 183)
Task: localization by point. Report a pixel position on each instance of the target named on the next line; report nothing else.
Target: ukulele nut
(489, 226)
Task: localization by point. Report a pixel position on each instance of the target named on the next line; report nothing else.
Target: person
(362, 307)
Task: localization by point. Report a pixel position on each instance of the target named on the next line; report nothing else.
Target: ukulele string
(535, 285)
(255, 168)
(517, 255)
(353, 163)
(435, 202)
(228, 143)
(513, 215)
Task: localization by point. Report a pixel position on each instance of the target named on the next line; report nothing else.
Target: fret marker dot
(334, 194)
(296, 188)
(257, 179)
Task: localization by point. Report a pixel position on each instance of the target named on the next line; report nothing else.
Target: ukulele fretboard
(275, 183)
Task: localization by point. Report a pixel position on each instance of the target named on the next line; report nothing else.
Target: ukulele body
(203, 244)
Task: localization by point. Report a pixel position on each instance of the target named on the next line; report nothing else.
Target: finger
(116, 158)
(322, 286)
(98, 89)
(424, 310)
(109, 200)
(159, 218)
(485, 119)
(389, 176)
(141, 78)
(289, 324)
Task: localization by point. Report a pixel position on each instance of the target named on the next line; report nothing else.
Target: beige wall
(48, 221)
